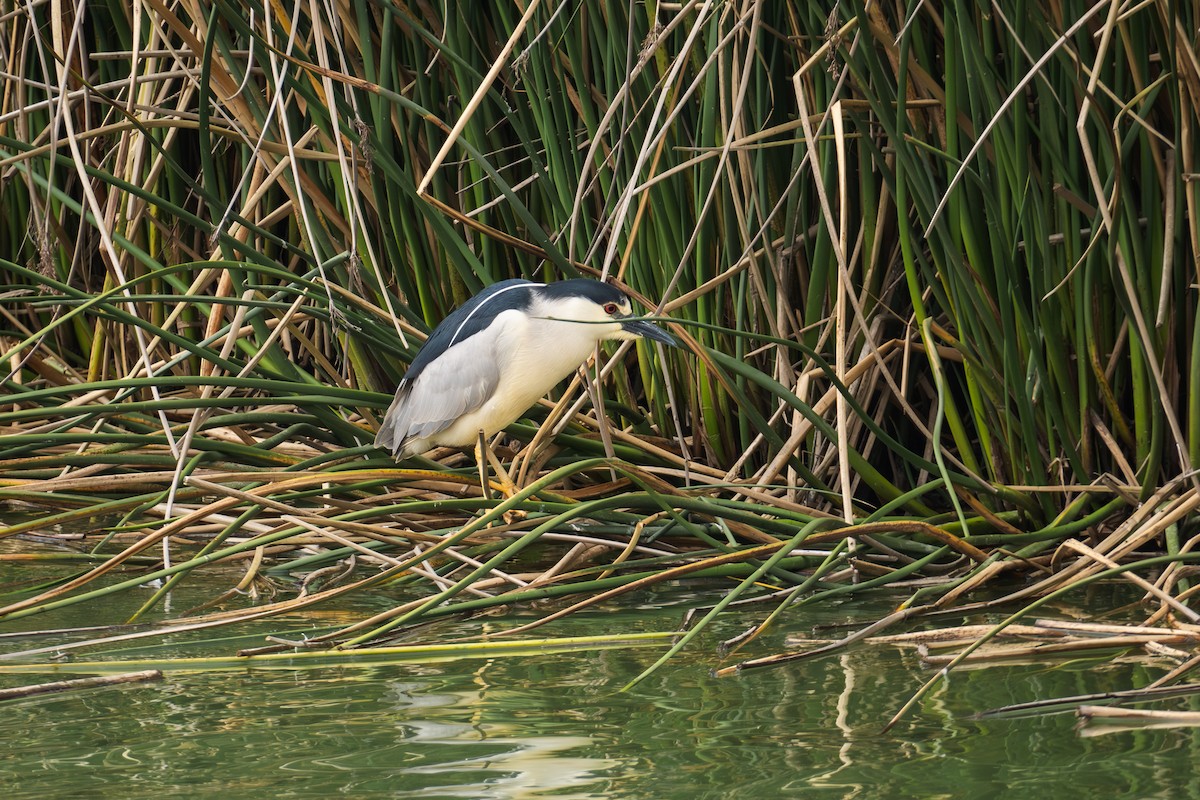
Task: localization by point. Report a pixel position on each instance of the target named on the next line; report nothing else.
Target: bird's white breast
(534, 354)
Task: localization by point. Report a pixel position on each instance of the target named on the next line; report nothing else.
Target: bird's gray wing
(455, 383)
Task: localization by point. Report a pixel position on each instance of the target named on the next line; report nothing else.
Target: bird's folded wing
(455, 383)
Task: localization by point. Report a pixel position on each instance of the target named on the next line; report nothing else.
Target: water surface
(557, 726)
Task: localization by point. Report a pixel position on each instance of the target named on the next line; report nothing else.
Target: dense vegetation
(935, 270)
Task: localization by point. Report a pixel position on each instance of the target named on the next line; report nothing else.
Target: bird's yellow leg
(506, 482)
(481, 463)
(485, 457)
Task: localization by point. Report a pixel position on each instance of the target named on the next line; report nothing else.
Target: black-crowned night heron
(494, 356)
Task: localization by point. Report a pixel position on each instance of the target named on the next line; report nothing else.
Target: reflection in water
(534, 766)
(833, 778)
(555, 726)
(512, 765)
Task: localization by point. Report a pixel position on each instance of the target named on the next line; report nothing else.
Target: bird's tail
(386, 437)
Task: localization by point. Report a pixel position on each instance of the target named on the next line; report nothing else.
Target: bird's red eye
(610, 308)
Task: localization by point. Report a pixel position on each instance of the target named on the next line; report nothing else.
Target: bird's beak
(648, 330)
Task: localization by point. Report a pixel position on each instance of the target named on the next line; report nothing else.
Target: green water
(554, 725)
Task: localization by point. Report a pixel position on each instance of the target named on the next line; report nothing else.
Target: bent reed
(935, 278)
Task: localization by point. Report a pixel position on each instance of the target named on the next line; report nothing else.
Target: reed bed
(934, 269)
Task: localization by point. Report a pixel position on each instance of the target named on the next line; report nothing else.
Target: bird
(494, 356)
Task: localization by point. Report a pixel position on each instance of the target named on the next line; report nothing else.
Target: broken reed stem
(76, 684)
